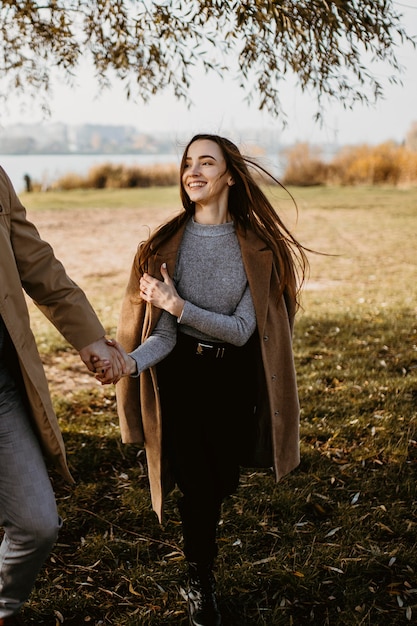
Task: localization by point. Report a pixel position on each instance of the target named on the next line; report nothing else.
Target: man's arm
(63, 302)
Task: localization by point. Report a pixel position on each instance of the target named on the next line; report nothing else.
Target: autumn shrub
(305, 166)
(119, 176)
(159, 175)
(69, 181)
(385, 164)
(406, 161)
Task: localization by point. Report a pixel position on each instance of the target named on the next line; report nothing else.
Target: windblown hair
(250, 210)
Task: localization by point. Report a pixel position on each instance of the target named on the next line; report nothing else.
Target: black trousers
(208, 401)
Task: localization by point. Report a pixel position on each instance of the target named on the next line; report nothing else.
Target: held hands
(113, 363)
(106, 357)
(161, 293)
(101, 365)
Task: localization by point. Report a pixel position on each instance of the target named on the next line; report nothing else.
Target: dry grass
(388, 163)
(119, 176)
(335, 542)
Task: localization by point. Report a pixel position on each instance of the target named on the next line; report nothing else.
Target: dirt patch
(97, 249)
(67, 374)
(97, 242)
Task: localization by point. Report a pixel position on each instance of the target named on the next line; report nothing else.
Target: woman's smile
(206, 178)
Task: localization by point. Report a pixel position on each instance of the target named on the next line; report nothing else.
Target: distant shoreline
(84, 153)
(47, 168)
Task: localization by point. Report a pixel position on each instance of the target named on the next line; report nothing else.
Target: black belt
(206, 349)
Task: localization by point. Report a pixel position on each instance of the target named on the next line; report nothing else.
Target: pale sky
(218, 106)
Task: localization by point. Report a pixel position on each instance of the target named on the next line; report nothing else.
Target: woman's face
(206, 178)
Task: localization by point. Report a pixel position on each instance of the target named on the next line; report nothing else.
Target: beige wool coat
(278, 407)
(28, 262)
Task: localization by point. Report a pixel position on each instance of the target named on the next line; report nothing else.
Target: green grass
(157, 197)
(335, 542)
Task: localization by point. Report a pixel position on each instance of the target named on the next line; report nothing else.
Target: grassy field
(335, 542)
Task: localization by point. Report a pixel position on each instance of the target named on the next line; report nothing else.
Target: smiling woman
(206, 181)
(206, 335)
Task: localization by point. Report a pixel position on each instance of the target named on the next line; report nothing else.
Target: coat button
(276, 413)
(266, 337)
(273, 377)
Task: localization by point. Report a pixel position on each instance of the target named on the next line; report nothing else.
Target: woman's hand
(112, 362)
(101, 366)
(161, 293)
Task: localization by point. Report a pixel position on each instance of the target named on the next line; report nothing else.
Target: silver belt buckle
(201, 346)
(204, 346)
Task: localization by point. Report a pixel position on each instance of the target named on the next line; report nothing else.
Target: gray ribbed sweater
(210, 277)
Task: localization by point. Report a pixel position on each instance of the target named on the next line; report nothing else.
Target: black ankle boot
(202, 603)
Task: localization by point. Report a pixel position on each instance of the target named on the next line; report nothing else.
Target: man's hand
(130, 366)
(113, 365)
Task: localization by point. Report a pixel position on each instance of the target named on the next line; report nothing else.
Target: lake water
(46, 168)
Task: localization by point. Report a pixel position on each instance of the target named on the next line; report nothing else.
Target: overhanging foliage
(330, 45)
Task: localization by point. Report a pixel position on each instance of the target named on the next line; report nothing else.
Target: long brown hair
(250, 210)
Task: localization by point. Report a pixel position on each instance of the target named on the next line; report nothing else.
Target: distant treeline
(386, 163)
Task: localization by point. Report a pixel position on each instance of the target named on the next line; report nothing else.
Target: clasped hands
(106, 357)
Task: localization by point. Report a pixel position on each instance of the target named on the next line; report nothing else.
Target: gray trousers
(28, 512)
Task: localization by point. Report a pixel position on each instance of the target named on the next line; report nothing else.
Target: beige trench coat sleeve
(29, 262)
(45, 280)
